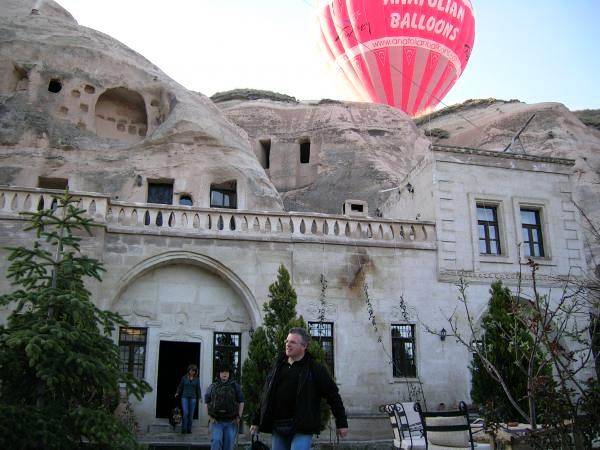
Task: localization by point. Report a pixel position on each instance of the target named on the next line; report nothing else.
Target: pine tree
(59, 366)
(280, 311)
(268, 342)
(506, 344)
(254, 371)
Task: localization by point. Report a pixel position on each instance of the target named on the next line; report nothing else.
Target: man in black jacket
(290, 401)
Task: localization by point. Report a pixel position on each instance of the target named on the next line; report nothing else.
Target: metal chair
(445, 430)
(406, 436)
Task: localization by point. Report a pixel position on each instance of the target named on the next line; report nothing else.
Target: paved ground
(201, 441)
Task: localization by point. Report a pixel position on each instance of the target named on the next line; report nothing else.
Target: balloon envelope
(404, 53)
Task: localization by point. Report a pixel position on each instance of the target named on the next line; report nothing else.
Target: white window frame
(507, 250)
(543, 206)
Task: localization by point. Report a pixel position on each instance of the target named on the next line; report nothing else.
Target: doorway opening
(173, 361)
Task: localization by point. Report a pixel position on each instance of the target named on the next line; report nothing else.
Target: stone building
(200, 202)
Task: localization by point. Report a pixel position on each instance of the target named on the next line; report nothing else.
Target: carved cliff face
(320, 155)
(76, 104)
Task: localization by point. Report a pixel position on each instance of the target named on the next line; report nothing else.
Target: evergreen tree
(59, 367)
(254, 371)
(280, 311)
(268, 342)
(507, 344)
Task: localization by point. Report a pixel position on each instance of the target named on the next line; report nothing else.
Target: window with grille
(132, 348)
(489, 234)
(403, 351)
(227, 349)
(322, 332)
(532, 232)
(161, 193)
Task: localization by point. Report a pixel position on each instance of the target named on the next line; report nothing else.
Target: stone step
(165, 428)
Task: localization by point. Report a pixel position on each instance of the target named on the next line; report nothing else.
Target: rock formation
(356, 149)
(76, 103)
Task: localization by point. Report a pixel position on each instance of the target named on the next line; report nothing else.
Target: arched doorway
(186, 302)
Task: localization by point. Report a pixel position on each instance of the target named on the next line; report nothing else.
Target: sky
(531, 50)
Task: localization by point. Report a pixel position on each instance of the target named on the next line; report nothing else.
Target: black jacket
(314, 383)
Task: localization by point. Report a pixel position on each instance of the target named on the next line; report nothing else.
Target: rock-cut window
(160, 192)
(223, 195)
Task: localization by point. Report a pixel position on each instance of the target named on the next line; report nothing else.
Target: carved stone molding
(508, 276)
(315, 307)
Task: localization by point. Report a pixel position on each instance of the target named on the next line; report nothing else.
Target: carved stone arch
(196, 259)
(120, 113)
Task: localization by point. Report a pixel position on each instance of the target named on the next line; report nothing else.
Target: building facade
(195, 217)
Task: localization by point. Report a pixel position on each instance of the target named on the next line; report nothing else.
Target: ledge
(229, 224)
(501, 154)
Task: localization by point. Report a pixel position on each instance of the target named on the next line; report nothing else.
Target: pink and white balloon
(404, 53)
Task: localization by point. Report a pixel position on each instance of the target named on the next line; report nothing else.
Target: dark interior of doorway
(173, 360)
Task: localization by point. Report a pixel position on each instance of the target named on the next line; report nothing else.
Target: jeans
(223, 435)
(295, 442)
(188, 405)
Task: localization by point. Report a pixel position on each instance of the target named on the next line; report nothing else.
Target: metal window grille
(403, 351)
(322, 332)
(487, 224)
(161, 193)
(227, 350)
(532, 232)
(132, 348)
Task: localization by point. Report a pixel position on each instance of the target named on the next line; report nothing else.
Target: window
(185, 200)
(54, 86)
(223, 195)
(227, 349)
(322, 332)
(489, 235)
(304, 151)
(532, 232)
(160, 192)
(132, 347)
(265, 146)
(403, 350)
(60, 184)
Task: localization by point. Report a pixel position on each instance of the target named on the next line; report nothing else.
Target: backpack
(223, 401)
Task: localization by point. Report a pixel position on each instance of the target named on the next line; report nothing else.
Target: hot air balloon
(404, 53)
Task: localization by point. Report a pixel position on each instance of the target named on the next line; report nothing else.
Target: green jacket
(189, 388)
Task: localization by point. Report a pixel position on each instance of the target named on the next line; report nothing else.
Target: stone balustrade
(17, 200)
(228, 223)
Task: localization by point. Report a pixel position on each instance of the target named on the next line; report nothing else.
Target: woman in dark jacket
(189, 391)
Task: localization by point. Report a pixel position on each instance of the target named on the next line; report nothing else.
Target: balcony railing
(227, 223)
